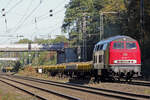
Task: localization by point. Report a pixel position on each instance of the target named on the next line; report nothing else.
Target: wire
(7, 4)
(28, 16)
(59, 5)
(14, 6)
(25, 12)
(42, 19)
(38, 20)
(59, 11)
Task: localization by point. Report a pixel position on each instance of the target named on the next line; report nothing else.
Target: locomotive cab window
(98, 47)
(94, 59)
(131, 45)
(100, 58)
(101, 47)
(118, 45)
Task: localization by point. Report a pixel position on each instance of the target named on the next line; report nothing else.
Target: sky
(30, 19)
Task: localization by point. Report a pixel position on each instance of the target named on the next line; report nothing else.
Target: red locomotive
(118, 57)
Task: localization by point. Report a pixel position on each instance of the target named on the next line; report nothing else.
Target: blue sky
(31, 19)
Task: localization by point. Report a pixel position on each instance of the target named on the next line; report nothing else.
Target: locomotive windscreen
(118, 45)
(131, 45)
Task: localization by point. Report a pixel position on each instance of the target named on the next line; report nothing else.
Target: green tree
(79, 11)
(25, 41)
(40, 58)
(59, 39)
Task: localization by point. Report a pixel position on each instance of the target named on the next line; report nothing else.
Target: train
(117, 57)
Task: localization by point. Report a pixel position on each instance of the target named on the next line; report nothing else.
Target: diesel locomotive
(117, 57)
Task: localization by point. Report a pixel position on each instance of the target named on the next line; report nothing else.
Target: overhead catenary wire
(59, 5)
(25, 12)
(39, 20)
(31, 24)
(11, 7)
(5, 12)
(24, 22)
(14, 6)
(33, 10)
(7, 4)
(37, 17)
(44, 18)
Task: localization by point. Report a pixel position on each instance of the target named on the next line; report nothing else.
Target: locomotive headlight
(134, 61)
(115, 61)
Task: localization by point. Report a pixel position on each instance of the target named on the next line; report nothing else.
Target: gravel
(9, 93)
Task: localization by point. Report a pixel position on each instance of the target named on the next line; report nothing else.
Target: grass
(147, 92)
(13, 96)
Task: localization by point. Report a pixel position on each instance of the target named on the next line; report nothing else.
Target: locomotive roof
(108, 40)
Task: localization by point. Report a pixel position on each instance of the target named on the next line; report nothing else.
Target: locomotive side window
(101, 47)
(100, 58)
(95, 59)
(118, 45)
(98, 47)
(131, 45)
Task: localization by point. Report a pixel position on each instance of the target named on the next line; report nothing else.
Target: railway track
(92, 90)
(37, 92)
(140, 83)
(136, 82)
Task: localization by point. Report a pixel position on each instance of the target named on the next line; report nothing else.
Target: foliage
(40, 58)
(33, 58)
(58, 39)
(126, 22)
(25, 41)
(135, 29)
(80, 11)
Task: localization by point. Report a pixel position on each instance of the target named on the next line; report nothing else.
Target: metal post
(84, 38)
(101, 26)
(102, 23)
(23, 59)
(36, 59)
(142, 28)
(142, 18)
(6, 23)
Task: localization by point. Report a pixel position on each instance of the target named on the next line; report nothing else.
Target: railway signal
(51, 13)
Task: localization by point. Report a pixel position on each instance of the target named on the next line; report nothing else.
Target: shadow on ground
(79, 81)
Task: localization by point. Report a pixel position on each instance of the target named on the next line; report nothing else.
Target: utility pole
(101, 26)
(142, 19)
(79, 47)
(142, 28)
(84, 38)
(102, 23)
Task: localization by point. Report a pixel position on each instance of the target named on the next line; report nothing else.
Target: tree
(80, 11)
(59, 38)
(24, 41)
